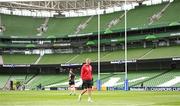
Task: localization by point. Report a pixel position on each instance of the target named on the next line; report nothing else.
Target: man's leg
(82, 92)
(70, 88)
(74, 89)
(89, 90)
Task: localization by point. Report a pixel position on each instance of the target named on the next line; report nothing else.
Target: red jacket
(86, 72)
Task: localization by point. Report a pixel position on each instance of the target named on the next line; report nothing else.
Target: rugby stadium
(134, 47)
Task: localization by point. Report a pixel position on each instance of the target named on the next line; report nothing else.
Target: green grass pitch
(102, 98)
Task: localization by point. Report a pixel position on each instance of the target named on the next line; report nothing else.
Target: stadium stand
(20, 26)
(105, 19)
(133, 38)
(153, 78)
(117, 40)
(56, 58)
(18, 77)
(132, 54)
(142, 15)
(141, 53)
(170, 16)
(134, 77)
(162, 79)
(3, 79)
(149, 78)
(46, 80)
(15, 45)
(61, 27)
(163, 52)
(19, 59)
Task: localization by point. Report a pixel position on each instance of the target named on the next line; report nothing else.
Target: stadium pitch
(102, 98)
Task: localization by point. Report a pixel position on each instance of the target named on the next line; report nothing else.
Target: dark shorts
(71, 82)
(87, 84)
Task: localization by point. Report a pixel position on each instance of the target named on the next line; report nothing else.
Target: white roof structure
(61, 5)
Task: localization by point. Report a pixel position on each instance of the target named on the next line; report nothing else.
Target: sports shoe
(89, 100)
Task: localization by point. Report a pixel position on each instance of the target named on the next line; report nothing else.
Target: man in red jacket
(87, 77)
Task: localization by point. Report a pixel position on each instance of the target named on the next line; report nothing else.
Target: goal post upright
(99, 50)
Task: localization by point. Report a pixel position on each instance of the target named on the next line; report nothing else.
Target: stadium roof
(61, 5)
